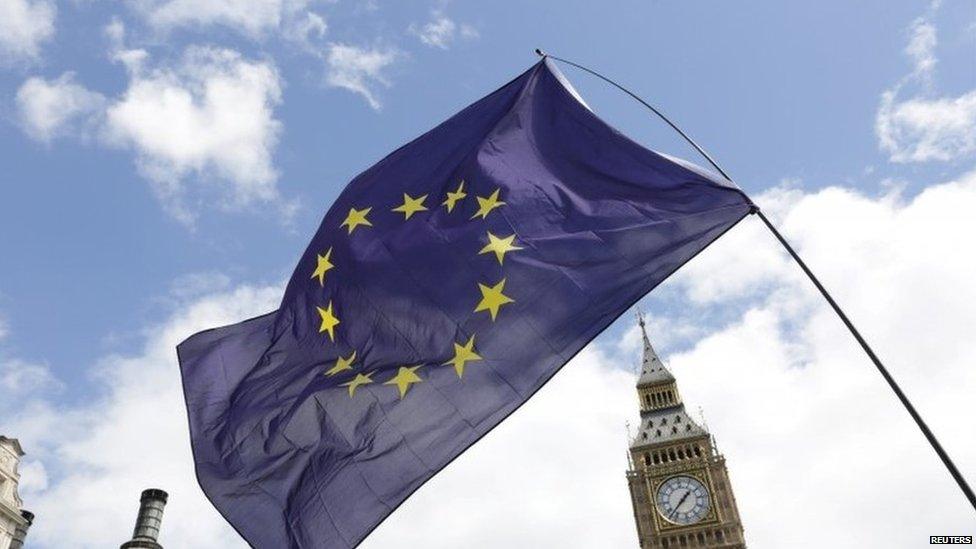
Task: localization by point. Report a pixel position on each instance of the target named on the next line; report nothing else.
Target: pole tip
(540, 53)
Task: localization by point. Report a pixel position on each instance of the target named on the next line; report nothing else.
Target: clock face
(683, 500)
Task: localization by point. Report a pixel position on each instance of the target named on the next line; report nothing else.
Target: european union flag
(445, 286)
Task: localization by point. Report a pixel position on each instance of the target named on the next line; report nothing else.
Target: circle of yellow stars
(492, 299)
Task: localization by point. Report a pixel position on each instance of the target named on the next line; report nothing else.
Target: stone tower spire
(656, 387)
(663, 415)
(653, 371)
(679, 484)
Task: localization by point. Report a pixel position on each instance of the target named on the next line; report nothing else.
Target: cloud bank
(202, 126)
(100, 454)
(211, 113)
(803, 418)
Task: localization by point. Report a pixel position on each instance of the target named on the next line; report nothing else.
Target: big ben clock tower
(679, 485)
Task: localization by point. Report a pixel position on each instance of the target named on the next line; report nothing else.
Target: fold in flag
(445, 286)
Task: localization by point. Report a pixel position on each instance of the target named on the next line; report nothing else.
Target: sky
(164, 163)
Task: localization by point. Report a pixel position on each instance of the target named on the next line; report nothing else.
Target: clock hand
(680, 501)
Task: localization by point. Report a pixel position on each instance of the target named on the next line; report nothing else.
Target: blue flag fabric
(444, 287)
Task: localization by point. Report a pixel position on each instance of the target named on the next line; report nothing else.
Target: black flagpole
(946, 460)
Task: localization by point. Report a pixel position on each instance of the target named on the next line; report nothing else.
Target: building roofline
(16, 444)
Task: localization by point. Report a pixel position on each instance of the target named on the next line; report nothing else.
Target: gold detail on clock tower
(679, 484)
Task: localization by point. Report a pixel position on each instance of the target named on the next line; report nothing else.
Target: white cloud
(305, 29)
(25, 387)
(33, 477)
(925, 128)
(251, 17)
(132, 435)
(202, 128)
(49, 108)
(133, 59)
(212, 114)
(292, 20)
(441, 31)
(359, 70)
(921, 130)
(800, 412)
(803, 418)
(438, 32)
(22, 377)
(115, 32)
(92, 451)
(24, 26)
(921, 47)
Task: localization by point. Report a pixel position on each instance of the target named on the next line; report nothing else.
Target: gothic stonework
(679, 484)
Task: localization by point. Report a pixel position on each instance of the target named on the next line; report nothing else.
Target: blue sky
(766, 89)
(108, 229)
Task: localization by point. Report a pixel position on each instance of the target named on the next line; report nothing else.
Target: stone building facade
(679, 483)
(14, 521)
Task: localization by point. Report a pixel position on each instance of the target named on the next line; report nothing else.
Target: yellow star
(342, 364)
(411, 205)
(329, 321)
(453, 197)
(360, 379)
(356, 218)
(486, 205)
(500, 246)
(323, 267)
(492, 299)
(404, 378)
(463, 353)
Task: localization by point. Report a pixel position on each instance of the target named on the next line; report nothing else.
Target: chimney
(20, 534)
(149, 520)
